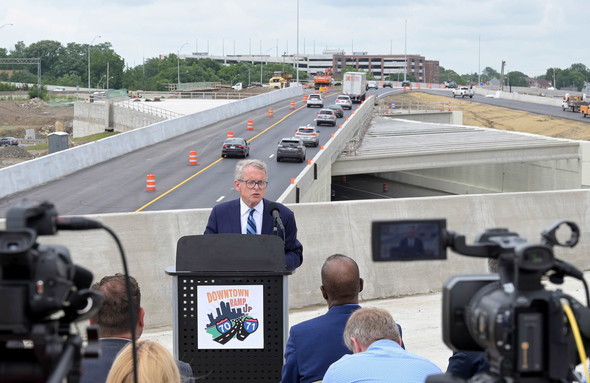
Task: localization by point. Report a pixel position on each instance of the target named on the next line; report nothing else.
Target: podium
(230, 306)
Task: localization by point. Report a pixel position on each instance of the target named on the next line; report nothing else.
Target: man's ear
(236, 184)
(356, 345)
(141, 316)
(324, 293)
(361, 284)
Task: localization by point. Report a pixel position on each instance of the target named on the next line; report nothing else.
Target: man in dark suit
(410, 244)
(315, 344)
(113, 323)
(249, 214)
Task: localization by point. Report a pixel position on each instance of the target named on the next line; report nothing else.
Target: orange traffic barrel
(269, 112)
(150, 183)
(304, 98)
(250, 125)
(230, 134)
(192, 157)
(292, 104)
(385, 187)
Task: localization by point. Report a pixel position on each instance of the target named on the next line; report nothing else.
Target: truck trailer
(354, 85)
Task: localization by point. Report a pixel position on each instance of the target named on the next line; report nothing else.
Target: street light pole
(297, 59)
(95, 37)
(178, 60)
(2, 26)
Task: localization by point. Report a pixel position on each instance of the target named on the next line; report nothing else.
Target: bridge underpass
(400, 158)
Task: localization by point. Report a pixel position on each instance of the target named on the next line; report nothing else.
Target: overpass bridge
(150, 238)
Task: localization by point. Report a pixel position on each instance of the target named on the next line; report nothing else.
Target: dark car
(406, 83)
(6, 141)
(235, 147)
(309, 135)
(291, 148)
(337, 109)
(388, 84)
(451, 84)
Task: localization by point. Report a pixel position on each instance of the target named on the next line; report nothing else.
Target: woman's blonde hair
(154, 364)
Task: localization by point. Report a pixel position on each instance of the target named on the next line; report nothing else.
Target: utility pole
(502, 75)
(405, 49)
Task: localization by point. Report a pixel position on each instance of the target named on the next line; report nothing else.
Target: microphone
(273, 209)
(77, 223)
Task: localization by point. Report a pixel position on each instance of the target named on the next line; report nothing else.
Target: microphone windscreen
(273, 206)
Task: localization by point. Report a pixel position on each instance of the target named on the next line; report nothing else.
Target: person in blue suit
(315, 344)
(250, 213)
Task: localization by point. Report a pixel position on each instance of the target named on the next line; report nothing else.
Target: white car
(344, 101)
(372, 85)
(315, 100)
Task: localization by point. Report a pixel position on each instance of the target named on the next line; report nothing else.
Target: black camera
(528, 333)
(41, 294)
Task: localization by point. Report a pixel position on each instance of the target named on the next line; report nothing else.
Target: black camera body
(42, 292)
(508, 314)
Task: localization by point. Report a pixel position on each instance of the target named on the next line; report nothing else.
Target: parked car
(372, 85)
(235, 147)
(309, 135)
(344, 101)
(315, 100)
(291, 148)
(325, 116)
(406, 83)
(337, 109)
(8, 141)
(388, 84)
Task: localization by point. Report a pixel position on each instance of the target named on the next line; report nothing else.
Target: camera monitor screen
(408, 240)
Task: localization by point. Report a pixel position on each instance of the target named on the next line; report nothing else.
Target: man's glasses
(251, 184)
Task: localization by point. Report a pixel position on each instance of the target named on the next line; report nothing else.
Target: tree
(489, 73)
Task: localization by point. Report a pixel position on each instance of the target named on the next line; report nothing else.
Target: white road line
(220, 198)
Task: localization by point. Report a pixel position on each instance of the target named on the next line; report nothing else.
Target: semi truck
(354, 85)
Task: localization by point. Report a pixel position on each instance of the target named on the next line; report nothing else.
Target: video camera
(41, 293)
(528, 333)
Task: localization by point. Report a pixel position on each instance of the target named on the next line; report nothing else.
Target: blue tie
(251, 229)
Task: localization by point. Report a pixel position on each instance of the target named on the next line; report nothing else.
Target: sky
(463, 35)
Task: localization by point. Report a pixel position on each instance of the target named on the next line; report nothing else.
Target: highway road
(119, 185)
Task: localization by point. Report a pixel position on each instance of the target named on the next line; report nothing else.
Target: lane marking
(220, 198)
(213, 163)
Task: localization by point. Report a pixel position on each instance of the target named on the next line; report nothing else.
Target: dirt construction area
(18, 116)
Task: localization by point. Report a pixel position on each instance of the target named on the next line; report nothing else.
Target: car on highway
(344, 101)
(450, 84)
(309, 134)
(315, 100)
(326, 116)
(337, 109)
(291, 148)
(372, 85)
(235, 147)
(388, 84)
(406, 83)
(8, 141)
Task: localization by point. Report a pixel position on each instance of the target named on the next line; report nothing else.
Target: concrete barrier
(44, 169)
(149, 240)
(519, 97)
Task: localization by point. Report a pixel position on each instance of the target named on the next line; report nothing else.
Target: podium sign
(230, 306)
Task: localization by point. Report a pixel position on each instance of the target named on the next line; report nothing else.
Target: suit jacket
(315, 344)
(97, 370)
(225, 219)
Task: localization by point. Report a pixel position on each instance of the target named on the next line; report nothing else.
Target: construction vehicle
(280, 80)
(322, 79)
(354, 85)
(574, 103)
(584, 109)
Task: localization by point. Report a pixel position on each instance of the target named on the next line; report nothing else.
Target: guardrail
(421, 107)
(147, 108)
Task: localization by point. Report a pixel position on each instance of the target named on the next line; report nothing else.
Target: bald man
(315, 344)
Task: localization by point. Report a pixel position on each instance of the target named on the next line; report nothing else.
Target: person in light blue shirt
(372, 335)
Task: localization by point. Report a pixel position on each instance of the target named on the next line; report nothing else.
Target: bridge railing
(416, 106)
(148, 108)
